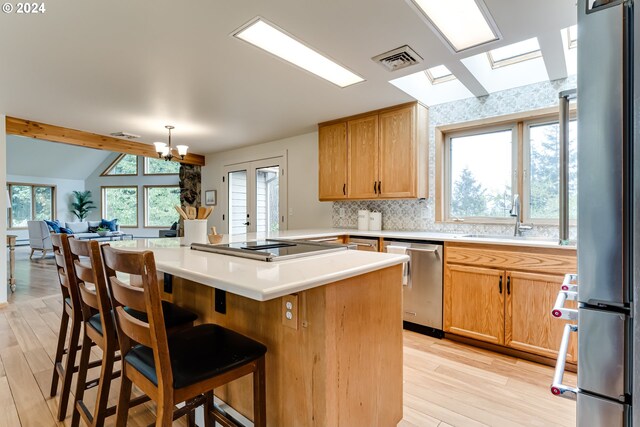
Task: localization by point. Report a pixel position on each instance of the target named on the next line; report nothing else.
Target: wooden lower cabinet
(474, 303)
(529, 325)
(487, 301)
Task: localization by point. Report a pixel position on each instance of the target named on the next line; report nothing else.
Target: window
(439, 74)
(514, 53)
(159, 205)
(482, 167)
(30, 202)
(480, 176)
(125, 164)
(160, 167)
(121, 203)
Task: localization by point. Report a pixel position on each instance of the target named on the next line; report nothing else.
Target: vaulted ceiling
(121, 65)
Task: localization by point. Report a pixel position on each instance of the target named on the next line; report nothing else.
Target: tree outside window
(159, 205)
(120, 203)
(30, 202)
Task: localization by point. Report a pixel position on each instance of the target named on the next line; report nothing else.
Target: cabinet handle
(500, 284)
(379, 187)
(344, 189)
(374, 187)
(508, 285)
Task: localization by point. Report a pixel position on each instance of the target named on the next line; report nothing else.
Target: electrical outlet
(290, 311)
(290, 211)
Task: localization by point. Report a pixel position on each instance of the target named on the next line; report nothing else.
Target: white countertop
(259, 280)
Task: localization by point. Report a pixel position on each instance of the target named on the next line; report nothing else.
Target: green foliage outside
(160, 206)
(121, 204)
(82, 204)
(43, 202)
(127, 165)
(20, 205)
(159, 166)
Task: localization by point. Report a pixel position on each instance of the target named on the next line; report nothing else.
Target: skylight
(514, 53)
(572, 36)
(463, 24)
(267, 37)
(439, 74)
(419, 86)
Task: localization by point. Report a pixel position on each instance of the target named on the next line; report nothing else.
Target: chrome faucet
(516, 212)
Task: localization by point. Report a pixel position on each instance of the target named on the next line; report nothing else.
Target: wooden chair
(71, 313)
(99, 328)
(181, 367)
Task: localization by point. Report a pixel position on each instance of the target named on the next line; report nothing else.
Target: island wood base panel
(342, 366)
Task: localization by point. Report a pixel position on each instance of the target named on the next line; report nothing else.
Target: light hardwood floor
(445, 383)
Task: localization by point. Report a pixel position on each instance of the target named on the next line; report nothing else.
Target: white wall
(95, 181)
(3, 208)
(305, 211)
(64, 196)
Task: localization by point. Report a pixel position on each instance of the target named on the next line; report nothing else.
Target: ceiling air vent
(124, 135)
(399, 58)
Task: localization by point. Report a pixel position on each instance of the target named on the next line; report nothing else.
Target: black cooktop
(270, 249)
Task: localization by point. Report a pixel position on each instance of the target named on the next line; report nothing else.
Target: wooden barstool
(180, 367)
(71, 313)
(99, 328)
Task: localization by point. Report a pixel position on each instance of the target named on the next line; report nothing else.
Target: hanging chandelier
(166, 152)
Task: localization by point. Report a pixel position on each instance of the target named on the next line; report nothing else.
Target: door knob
(247, 223)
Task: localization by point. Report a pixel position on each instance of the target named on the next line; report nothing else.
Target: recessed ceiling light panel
(462, 24)
(267, 36)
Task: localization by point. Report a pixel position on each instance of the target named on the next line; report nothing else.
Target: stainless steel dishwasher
(422, 285)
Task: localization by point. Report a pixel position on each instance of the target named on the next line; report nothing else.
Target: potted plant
(82, 205)
(102, 231)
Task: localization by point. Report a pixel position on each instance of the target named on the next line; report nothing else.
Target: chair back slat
(128, 295)
(88, 268)
(135, 329)
(132, 330)
(68, 284)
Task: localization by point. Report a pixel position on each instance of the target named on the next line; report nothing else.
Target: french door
(256, 196)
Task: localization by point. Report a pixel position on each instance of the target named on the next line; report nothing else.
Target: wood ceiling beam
(80, 138)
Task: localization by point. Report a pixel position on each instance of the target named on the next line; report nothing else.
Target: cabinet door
(529, 325)
(363, 158)
(398, 153)
(474, 302)
(332, 154)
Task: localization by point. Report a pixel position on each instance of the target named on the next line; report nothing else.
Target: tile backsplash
(419, 215)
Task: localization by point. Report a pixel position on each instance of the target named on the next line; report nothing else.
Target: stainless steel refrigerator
(608, 211)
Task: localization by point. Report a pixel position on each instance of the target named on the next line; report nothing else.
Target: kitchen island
(335, 360)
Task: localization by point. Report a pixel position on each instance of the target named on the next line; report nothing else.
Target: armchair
(39, 237)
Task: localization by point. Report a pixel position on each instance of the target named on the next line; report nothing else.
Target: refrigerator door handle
(559, 311)
(570, 283)
(557, 388)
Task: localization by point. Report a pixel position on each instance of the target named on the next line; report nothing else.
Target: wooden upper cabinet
(387, 155)
(363, 157)
(529, 325)
(332, 155)
(398, 154)
(474, 303)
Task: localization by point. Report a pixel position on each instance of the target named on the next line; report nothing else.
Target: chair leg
(62, 338)
(164, 409)
(99, 413)
(68, 370)
(259, 395)
(122, 413)
(82, 379)
(44, 253)
(208, 408)
(32, 251)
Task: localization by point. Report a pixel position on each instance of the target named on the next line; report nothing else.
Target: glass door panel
(238, 206)
(267, 199)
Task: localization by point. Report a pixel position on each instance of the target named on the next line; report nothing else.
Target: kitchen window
(481, 167)
(159, 205)
(30, 202)
(120, 203)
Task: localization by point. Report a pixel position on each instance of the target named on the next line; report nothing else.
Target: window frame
(115, 162)
(33, 205)
(102, 202)
(447, 166)
(145, 173)
(145, 208)
(521, 167)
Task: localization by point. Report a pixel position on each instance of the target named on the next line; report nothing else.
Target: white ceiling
(121, 65)
(32, 157)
